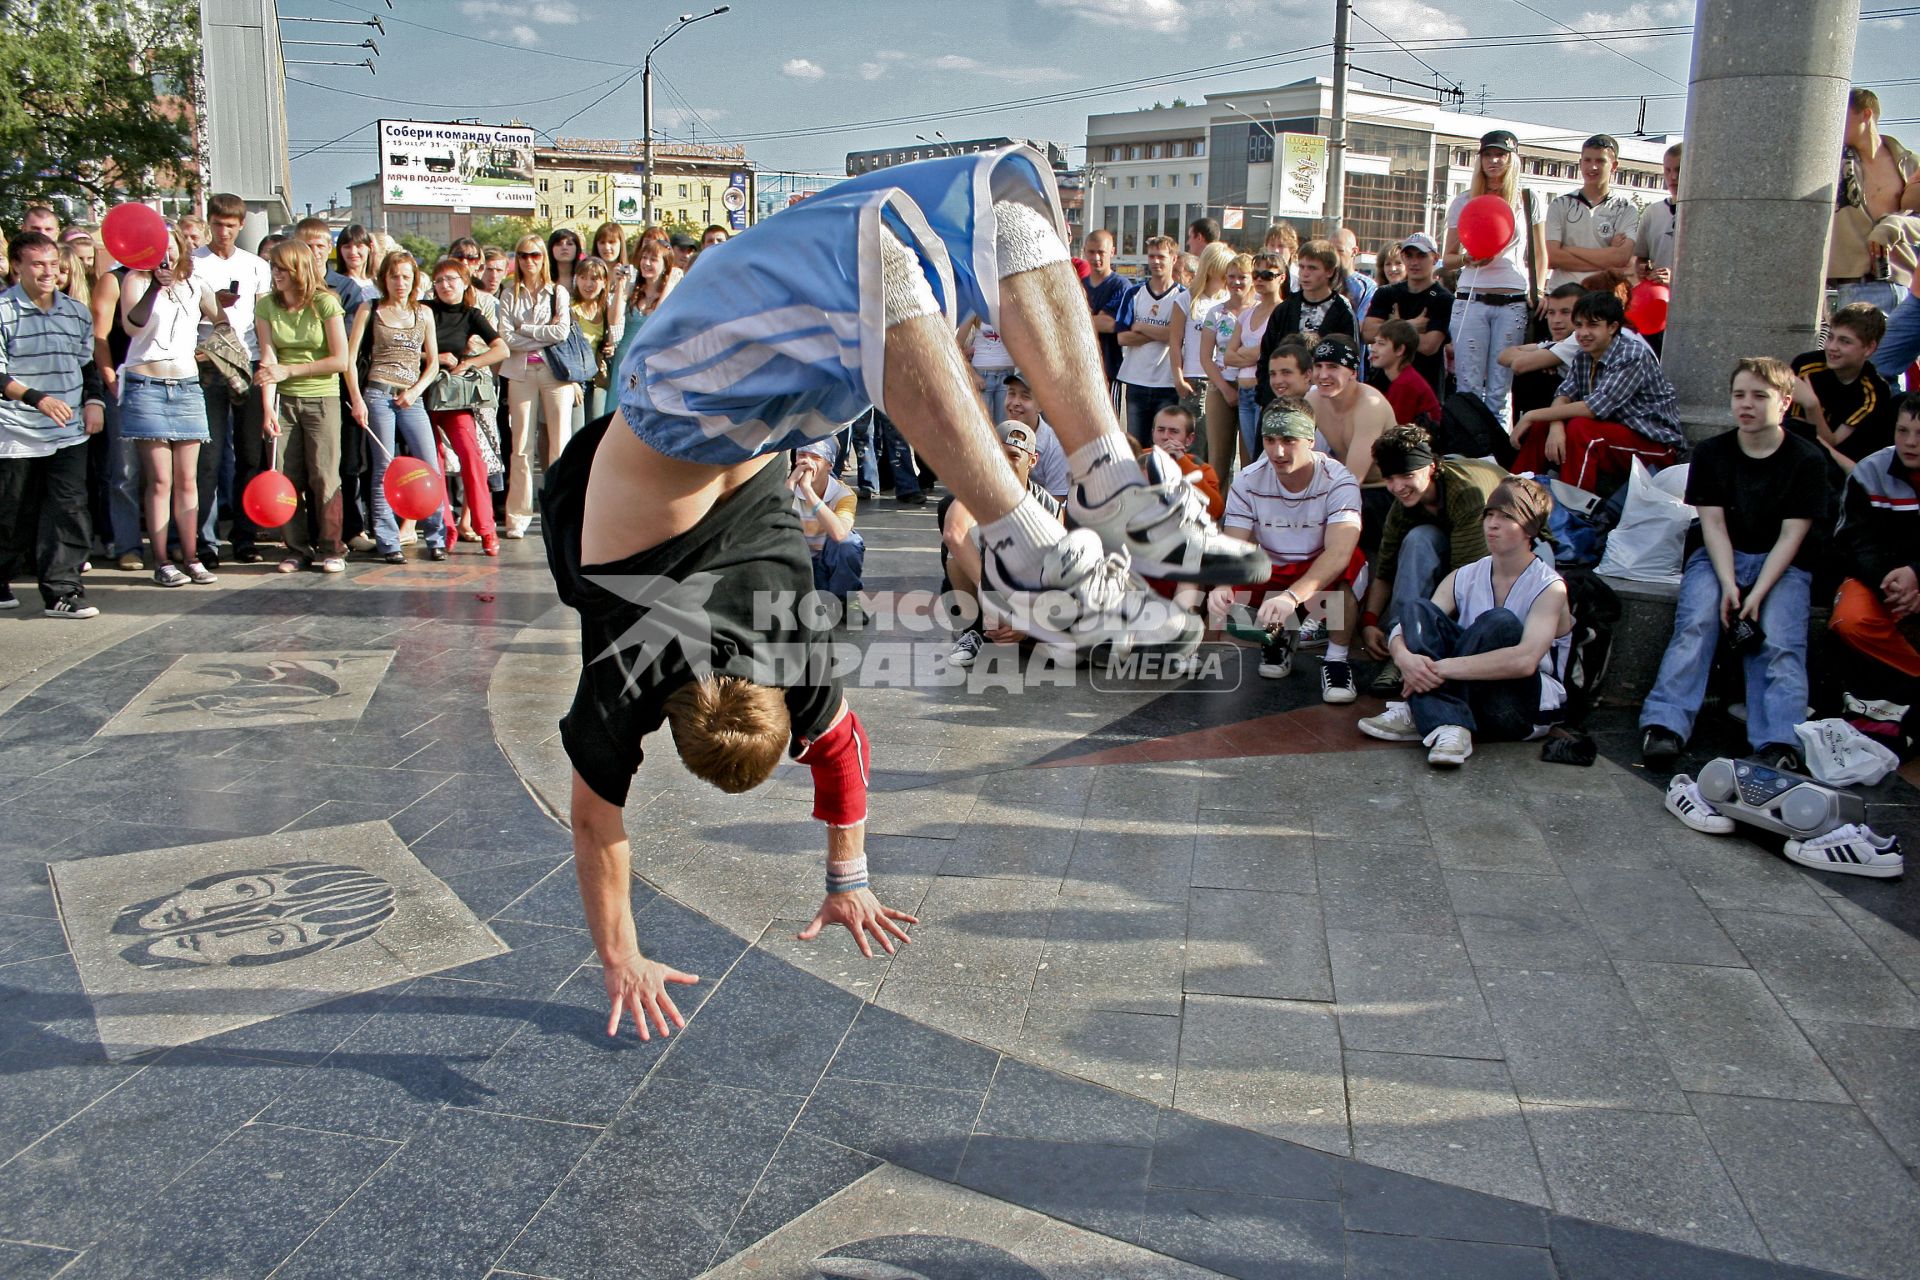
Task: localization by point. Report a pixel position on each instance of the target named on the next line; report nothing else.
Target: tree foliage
(95, 100)
(504, 233)
(426, 252)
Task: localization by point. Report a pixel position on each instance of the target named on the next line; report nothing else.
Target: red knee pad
(842, 761)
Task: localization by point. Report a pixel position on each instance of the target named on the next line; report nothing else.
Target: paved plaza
(294, 980)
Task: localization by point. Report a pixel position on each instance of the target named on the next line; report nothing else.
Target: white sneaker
(1853, 849)
(966, 647)
(1167, 532)
(1448, 746)
(1395, 724)
(1685, 802)
(1088, 599)
(855, 613)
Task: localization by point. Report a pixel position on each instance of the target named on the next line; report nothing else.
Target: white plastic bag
(1647, 544)
(1841, 756)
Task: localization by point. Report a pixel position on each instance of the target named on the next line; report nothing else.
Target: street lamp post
(646, 107)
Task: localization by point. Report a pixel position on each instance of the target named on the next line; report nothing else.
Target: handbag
(571, 358)
(454, 393)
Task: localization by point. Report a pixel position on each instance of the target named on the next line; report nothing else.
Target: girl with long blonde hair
(535, 313)
(1490, 313)
(402, 361)
(1190, 377)
(303, 352)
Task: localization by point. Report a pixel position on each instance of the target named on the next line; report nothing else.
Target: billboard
(629, 198)
(734, 198)
(456, 166)
(1300, 176)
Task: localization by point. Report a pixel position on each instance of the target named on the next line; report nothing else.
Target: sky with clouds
(802, 82)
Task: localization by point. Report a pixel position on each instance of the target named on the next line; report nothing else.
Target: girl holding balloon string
(1492, 250)
(303, 349)
(404, 360)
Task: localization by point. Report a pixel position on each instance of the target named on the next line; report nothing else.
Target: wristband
(32, 398)
(845, 877)
(1368, 618)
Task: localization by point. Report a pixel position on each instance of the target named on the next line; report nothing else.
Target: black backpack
(1469, 429)
(1596, 612)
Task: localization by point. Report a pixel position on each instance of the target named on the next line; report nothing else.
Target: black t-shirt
(645, 620)
(1435, 302)
(1332, 314)
(453, 325)
(1866, 404)
(1757, 494)
(1104, 299)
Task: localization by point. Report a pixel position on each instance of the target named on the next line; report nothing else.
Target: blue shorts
(777, 338)
(162, 409)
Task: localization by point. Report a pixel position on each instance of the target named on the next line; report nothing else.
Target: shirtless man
(1351, 415)
(1872, 249)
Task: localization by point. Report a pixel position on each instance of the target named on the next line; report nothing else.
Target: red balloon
(269, 500)
(1647, 307)
(414, 489)
(135, 235)
(1486, 226)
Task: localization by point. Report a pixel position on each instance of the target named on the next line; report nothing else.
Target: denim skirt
(162, 409)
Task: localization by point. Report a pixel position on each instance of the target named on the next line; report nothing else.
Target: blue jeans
(1425, 557)
(899, 453)
(1142, 404)
(229, 461)
(995, 393)
(837, 566)
(123, 485)
(416, 434)
(1901, 346)
(856, 441)
(1776, 672)
(1250, 421)
(1884, 294)
(1480, 333)
(1497, 710)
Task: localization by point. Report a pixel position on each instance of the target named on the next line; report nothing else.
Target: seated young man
(1050, 471)
(825, 509)
(1173, 434)
(1433, 527)
(1614, 404)
(960, 557)
(1409, 395)
(1538, 367)
(1759, 491)
(1488, 653)
(1838, 390)
(1303, 509)
(1877, 611)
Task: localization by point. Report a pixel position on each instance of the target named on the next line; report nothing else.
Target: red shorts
(1285, 575)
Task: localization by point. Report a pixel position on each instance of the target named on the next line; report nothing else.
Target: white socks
(1022, 538)
(903, 283)
(1023, 239)
(1336, 652)
(1105, 467)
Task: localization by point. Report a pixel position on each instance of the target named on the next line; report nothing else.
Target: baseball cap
(1423, 242)
(1018, 435)
(1501, 140)
(1284, 420)
(681, 240)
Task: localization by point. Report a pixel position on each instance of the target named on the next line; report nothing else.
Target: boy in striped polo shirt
(51, 400)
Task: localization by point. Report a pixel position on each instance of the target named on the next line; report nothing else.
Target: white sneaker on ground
(966, 647)
(1088, 599)
(1448, 746)
(1685, 802)
(855, 613)
(1336, 683)
(1167, 532)
(1853, 850)
(1395, 724)
(1276, 655)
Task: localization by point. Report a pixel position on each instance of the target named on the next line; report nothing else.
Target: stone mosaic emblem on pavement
(254, 690)
(174, 945)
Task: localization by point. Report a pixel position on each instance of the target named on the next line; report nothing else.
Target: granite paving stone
(1451, 1118)
(305, 1036)
(1267, 852)
(889, 1048)
(1512, 921)
(1387, 816)
(1642, 1170)
(43, 1087)
(1268, 1065)
(1206, 1155)
(1731, 874)
(1409, 993)
(1382, 888)
(1385, 1202)
(804, 1172)
(1822, 1186)
(1582, 833)
(447, 1204)
(1411, 1258)
(1123, 956)
(489, 886)
(1246, 1236)
(1819, 968)
(1028, 1102)
(242, 1208)
(983, 1014)
(20, 1261)
(555, 900)
(992, 936)
(1266, 945)
(1156, 863)
(1136, 1053)
(1006, 847)
(1723, 1032)
(1872, 1063)
(1897, 949)
(1576, 1040)
(541, 957)
(1098, 1187)
(925, 1130)
(1650, 914)
(1590, 1251)
(794, 1022)
(660, 1188)
(1482, 829)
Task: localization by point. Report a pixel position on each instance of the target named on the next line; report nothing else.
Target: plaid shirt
(1629, 387)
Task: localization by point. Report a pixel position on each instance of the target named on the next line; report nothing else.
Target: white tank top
(1473, 596)
(1250, 337)
(1198, 318)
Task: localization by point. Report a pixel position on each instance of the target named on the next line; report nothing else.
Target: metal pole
(1337, 142)
(646, 141)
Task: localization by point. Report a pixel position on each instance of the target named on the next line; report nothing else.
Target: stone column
(1766, 115)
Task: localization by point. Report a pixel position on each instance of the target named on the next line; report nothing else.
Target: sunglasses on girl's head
(1266, 275)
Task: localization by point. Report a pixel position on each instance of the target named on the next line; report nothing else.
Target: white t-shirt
(1198, 318)
(1150, 364)
(1252, 336)
(1564, 350)
(988, 351)
(172, 329)
(1292, 527)
(1221, 322)
(1507, 273)
(803, 507)
(1576, 224)
(255, 278)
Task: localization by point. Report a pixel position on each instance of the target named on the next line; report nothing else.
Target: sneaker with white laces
(72, 606)
(1395, 724)
(1313, 634)
(1336, 682)
(1167, 532)
(1685, 802)
(1853, 850)
(966, 647)
(1276, 656)
(1088, 599)
(169, 575)
(1448, 746)
(1386, 681)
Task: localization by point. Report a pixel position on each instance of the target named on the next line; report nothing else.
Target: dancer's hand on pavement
(862, 914)
(638, 986)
